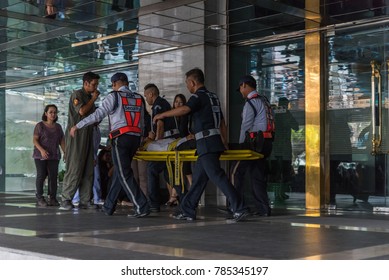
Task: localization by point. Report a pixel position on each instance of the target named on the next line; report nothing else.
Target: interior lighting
(156, 51)
(121, 34)
(215, 27)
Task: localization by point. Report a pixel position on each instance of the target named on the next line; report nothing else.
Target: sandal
(173, 201)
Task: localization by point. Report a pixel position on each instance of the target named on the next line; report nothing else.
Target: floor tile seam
(328, 226)
(33, 233)
(35, 214)
(141, 229)
(353, 254)
(167, 251)
(94, 232)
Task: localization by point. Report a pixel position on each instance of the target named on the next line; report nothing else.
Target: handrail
(376, 138)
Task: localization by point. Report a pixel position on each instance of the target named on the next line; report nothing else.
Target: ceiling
(35, 48)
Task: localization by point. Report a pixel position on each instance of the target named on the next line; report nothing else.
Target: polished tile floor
(28, 232)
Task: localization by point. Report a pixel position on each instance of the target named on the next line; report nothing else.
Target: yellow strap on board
(189, 155)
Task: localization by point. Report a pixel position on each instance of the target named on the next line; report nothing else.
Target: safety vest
(132, 108)
(270, 127)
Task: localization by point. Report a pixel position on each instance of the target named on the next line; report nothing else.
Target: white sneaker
(100, 202)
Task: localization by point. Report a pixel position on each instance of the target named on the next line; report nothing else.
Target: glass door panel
(279, 71)
(357, 118)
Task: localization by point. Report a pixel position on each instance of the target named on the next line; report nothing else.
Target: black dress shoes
(87, 206)
(139, 215)
(239, 216)
(261, 214)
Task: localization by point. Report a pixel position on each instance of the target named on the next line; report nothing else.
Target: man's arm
(96, 117)
(85, 109)
(177, 112)
(248, 117)
(160, 130)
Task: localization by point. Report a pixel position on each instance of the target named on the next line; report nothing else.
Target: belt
(117, 132)
(207, 133)
(265, 134)
(170, 133)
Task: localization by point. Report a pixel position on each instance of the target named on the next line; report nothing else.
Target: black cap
(247, 79)
(119, 77)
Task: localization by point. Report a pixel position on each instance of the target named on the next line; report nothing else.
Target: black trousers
(258, 172)
(124, 148)
(208, 168)
(154, 168)
(46, 168)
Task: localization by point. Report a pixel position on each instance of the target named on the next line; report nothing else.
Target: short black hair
(89, 76)
(196, 74)
(154, 88)
(119, 76)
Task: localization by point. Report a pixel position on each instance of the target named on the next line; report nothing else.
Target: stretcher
(177, 158)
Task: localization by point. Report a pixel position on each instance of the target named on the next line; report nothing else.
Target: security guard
(257, 117)
(126, 116)
(161, 129)
(79, 150)
(210, 133)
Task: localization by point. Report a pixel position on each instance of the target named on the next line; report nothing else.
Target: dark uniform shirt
(147, 120)
(169, 124)
(183, 126)
(206, 114)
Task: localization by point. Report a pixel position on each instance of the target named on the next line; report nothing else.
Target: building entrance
(279, 71)
(357, 114)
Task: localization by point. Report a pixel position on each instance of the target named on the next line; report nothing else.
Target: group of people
(199, 121)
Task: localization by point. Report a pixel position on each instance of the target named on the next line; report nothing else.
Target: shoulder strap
(116, 104)
(252, 106)
(115, 94)
(269, 111)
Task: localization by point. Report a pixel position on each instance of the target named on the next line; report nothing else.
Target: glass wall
(24, 108)
(279, 71)
(358, 118)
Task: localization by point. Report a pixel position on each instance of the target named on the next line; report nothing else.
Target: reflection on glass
(21, 119)
(279, 71)
(357, 178)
